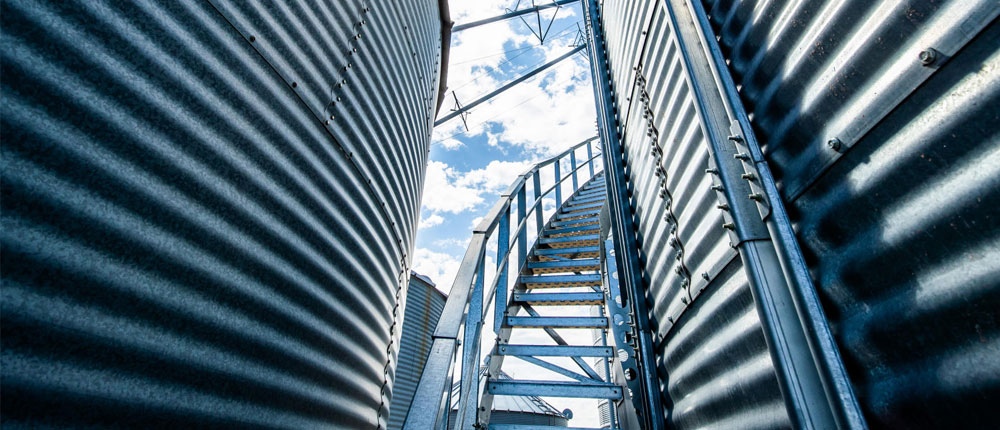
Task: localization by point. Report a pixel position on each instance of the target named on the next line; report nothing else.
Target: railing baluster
(590, 158)
(572, 163)
(503, 244)
(538, 203)
(522, 234)
(558, 184)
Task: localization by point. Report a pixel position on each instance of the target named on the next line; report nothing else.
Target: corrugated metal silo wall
(714, 366)
(901, 227)
(424, 305)
(208, 209)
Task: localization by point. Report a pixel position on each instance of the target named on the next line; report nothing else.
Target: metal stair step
(560, 281)
(556, 350)
(576, 215)
(577, 252)
(578, 200)
(567, 209)
(564, 266)
(584, 390)
(560, 299)
(558, 322)
(570, 241)
(535, 427)
(578, 230)
(577, 222)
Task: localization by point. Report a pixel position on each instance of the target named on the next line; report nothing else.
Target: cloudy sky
(530, 122)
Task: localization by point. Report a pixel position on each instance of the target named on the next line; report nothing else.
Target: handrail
(433, 395)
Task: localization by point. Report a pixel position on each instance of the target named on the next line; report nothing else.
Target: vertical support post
(468, 402)
(558, 184)
(572, 164)
(622, 223)
(590, 159)
(522, 235)
(538, 203)
(503, 244)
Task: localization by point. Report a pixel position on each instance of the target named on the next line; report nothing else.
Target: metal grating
(186, 242)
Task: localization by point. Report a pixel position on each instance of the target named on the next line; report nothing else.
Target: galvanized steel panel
(424, 304)
(683, 245)
(900, 225)
(186, 241)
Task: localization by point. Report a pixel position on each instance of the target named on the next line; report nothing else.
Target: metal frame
(468, 292)
(630, 274)
(461, 110)
(512, 14)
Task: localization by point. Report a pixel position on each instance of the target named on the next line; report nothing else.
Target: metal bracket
(750, 175)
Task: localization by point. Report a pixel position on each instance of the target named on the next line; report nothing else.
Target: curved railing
(467, 308)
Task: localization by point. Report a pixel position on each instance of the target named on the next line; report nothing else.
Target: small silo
(525, 410)
(424, 304)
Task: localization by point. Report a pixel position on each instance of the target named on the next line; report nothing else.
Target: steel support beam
(511, 14)
(630, 274)
(810, 373)
(506, 87)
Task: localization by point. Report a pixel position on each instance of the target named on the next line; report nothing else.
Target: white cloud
(431, 221)
(441, 194)
(438, 266)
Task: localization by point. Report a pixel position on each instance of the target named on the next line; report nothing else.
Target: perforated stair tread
(560, 299)
(564, 266)
(560, 281)
(585, 390)
(556, 350)
(557, 322)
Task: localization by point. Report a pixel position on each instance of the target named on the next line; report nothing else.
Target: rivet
(723, 206)
(757, 197)
(729, 226)
(295, 84)
(835, 144)
(741, 156)
(748, 176)
(331, 117)
(928, 56)
(253, 38)
(705, 275)
(338, 98)
(327, 122)
(712, 171)
(717, 188)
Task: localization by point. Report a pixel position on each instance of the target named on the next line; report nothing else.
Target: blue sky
(530, 122)
(536, 119)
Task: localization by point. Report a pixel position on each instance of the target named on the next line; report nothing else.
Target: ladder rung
(557, 351)
(594, 390)
(560, 299)
(558, 322)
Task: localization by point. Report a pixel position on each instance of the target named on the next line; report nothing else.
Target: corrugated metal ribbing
(901, 227)
(683, 246)
(184, 243)
(718, 349)
(424, 305)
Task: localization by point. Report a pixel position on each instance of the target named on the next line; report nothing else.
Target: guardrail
(467, 308)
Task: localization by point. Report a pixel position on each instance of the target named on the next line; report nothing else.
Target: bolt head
(928, 56)
(835, 144)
